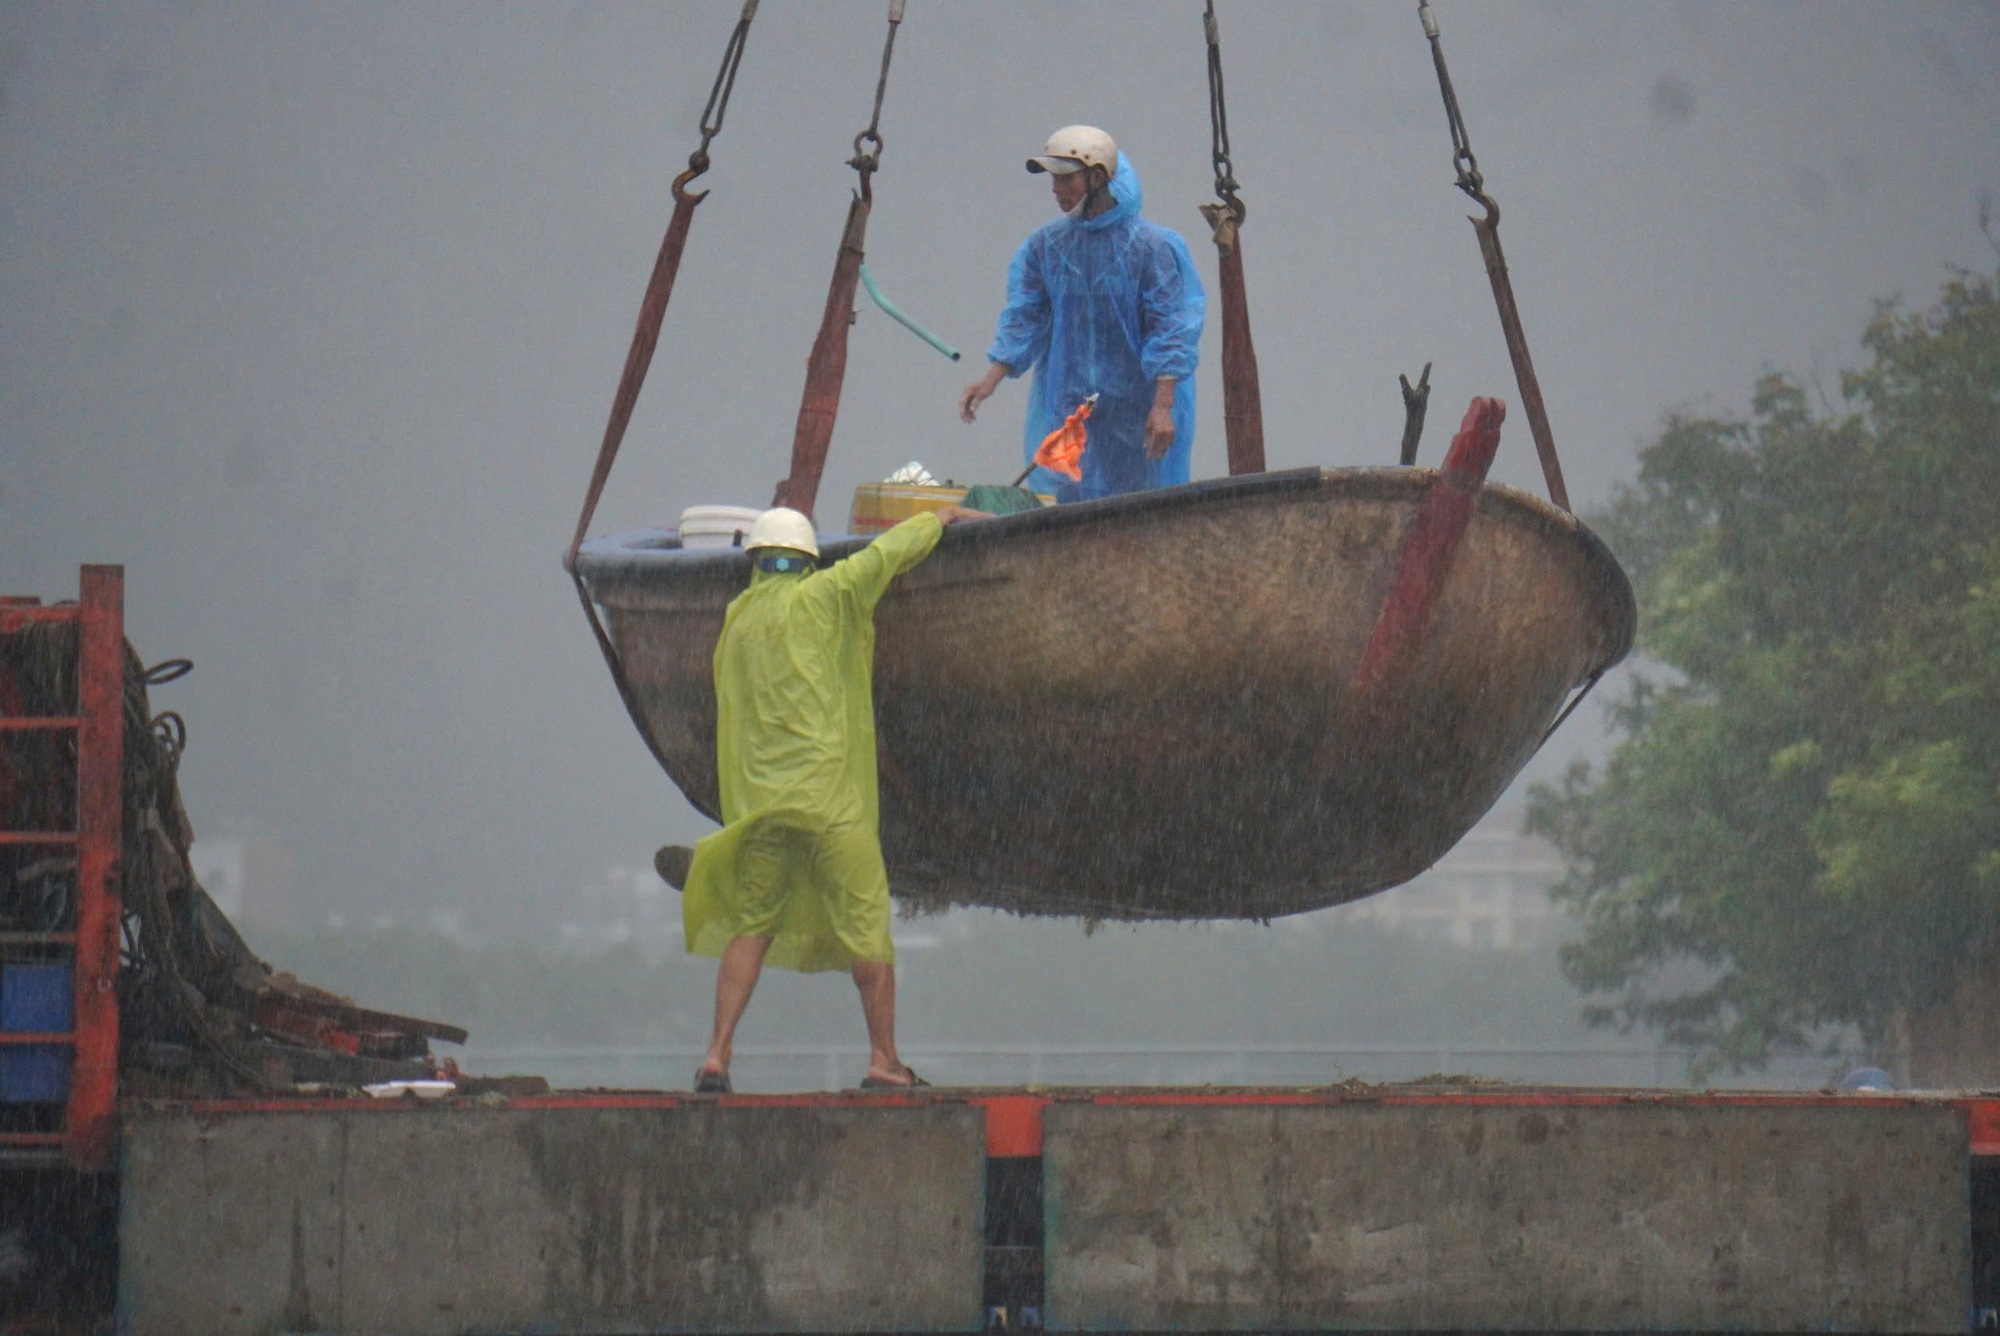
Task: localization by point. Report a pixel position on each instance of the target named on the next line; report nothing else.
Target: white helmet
(783, 527)
(1075, 147)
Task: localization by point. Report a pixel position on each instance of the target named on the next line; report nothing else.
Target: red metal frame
(92, 1131)
(89, 1137)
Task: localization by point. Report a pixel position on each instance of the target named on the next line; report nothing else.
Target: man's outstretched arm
(1023, 332)
(865, 576)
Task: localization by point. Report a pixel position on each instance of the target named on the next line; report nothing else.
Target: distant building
(223, 869)
(1490, 892)
(626, 905)
(250, 879)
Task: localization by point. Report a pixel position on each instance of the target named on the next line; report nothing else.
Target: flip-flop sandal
(672, 862)
(877, 1083)
(711, 1083)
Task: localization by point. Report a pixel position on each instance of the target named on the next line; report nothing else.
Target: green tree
(1799, 829)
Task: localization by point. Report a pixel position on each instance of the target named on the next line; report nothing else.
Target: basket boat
(1142, 707)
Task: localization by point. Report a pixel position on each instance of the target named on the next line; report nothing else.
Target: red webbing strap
(652, 310)
(1473, 183)
(826, 369)
(1242, 398)
(661, 286)
(1488, 230)
(645, 337)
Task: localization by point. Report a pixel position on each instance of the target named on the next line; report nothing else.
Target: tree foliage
(1798, 828)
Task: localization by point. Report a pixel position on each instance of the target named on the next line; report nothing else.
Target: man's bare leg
(877, 983)
(742, 962)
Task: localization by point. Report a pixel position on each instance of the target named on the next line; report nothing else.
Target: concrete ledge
(1437, 1216)
(455, 1220)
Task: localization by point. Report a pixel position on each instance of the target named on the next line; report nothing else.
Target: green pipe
(889, 309)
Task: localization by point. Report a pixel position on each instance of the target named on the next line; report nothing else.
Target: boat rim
(628, 555)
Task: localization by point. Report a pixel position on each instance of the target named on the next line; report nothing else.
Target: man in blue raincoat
(1101, 301)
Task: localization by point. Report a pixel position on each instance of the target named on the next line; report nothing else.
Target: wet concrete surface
(1434, 1206)
(457, 1220)
(1444, 1217)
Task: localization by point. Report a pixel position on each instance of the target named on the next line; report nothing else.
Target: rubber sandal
(711, 1083)
(672, 862)
(877, 1083)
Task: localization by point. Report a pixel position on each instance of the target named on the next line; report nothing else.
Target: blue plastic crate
(35, 999)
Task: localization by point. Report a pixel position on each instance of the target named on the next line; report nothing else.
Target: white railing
(834, 1066)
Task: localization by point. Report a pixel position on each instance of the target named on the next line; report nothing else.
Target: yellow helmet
(1075, 147)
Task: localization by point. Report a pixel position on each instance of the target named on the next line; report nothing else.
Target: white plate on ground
(415, 1089)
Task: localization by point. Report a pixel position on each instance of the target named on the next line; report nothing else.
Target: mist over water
(310, 316)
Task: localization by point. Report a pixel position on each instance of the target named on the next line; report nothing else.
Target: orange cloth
(1062, 449)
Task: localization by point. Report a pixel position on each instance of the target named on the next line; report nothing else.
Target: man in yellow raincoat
(795, 875)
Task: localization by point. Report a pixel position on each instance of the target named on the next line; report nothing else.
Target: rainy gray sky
(310, 316)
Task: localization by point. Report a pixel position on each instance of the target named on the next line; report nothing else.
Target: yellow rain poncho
(799, 855)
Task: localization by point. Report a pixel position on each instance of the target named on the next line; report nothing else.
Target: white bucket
(716, 526)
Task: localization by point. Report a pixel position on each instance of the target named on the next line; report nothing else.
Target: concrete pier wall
(1119, 1211)
(1489, 1216)
(458, 1220)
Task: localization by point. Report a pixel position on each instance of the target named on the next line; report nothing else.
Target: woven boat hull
(1140, 708)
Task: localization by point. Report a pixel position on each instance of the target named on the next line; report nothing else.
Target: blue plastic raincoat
(799, 856)
(1106, 305)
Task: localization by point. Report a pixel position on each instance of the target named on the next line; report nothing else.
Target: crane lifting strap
(1488, 231)
(660, 287)
(645, 337)
(1242, 399)
(826, 368)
